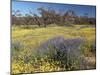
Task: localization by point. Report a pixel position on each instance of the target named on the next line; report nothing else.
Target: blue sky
(25, 7)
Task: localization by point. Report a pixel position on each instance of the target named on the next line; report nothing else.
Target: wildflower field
(54, 48)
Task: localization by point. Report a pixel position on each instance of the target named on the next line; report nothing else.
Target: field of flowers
(54, 48)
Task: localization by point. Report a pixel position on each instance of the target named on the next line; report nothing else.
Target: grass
(34, 36)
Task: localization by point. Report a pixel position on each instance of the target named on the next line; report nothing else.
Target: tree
(16, 17)
(49, 16)
(44, 15)
(70, 17)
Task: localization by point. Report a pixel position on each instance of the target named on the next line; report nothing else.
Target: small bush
(16, 46)
(89, 47)
(93, 48)
(65, 51)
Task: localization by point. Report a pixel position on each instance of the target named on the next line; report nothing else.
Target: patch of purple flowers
(67, 51)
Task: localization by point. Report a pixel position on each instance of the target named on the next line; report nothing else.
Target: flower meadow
(54, 48)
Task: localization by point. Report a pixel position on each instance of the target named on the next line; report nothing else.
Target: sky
(25, 7)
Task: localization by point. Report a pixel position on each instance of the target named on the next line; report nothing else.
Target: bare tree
(48, 16)
(70, 17)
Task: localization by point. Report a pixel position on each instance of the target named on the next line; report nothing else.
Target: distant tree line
(50, 16)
